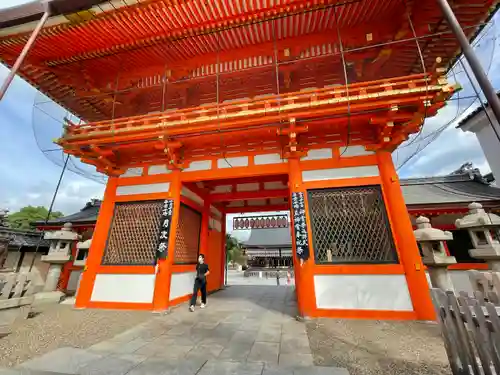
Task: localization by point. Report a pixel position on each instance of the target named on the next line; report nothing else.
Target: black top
(201, 270)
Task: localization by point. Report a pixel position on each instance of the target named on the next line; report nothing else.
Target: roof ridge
(437, 179)
(480, 108)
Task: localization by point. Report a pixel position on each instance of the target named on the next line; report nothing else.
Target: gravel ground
(58, 326)
(378, 347)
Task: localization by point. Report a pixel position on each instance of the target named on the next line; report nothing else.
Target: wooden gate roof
(81, 58)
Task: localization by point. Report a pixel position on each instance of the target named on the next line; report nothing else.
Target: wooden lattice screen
(133, 236)
(187, 240)
(350, 225)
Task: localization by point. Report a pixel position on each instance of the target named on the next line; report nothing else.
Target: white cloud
(72, 196)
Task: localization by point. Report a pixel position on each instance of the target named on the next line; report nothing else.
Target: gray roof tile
(448, 189)
(270, 237)
(21, 238)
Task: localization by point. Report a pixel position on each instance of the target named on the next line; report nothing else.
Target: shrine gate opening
(360, 260)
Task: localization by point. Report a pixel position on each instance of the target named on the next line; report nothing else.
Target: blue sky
(29, 177)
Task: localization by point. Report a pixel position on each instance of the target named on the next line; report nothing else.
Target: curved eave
(22, 14)
(24, 18)
(476, 33)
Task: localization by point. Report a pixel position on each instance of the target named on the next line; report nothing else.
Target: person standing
(200, 283)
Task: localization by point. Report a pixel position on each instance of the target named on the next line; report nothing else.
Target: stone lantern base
(50, 294)
(49, 297)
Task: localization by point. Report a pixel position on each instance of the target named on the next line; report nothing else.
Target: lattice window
(349, 225)
(187, 239)
(133, 236)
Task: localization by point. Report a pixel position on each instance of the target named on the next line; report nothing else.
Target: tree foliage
(26, 216)
(234, 250)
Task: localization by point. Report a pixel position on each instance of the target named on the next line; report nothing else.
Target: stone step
(313, 370)
(73, 361)
(26, 371)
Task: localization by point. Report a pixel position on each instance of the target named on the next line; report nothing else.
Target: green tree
(234, 250)
(24, 218)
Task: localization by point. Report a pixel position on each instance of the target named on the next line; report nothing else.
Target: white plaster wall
(256, 202)
(355, 151)
(191, 195)
(132, 172)
(277, 201)
(459, 279)
(73, 280)
(267, 159)
(274, 185)
(241, 161)
(158, 169)
(181, 284)
(236, 204)
(143, 189)
(253, 186)
(124, 288)
(222, 189)
(215, 211)
(322, 153)
(215, 224)
(362, 292)
(201, 165)
(338, 173)
(491, 148)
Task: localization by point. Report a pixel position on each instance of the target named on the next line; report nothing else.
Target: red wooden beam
(249, 195)
(249, 209)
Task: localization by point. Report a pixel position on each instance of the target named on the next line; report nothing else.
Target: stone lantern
(61, 243)
(432, 243)
(484, 231)
(82, 252)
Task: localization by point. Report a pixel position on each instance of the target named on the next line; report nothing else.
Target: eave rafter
(192, 29)
(293, 53)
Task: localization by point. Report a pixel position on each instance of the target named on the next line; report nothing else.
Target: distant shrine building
(198, 110)
(270, 242)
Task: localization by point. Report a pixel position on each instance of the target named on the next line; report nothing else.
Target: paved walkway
(247, 330)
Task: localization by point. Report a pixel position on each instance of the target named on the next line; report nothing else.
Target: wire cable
(458, 62)
(217, 85)
(444, 127)
(481, 102)
(344, 66)
(49, 212)
(424, 70)
(346, 51)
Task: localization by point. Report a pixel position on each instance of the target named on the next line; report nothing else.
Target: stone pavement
(247, 330)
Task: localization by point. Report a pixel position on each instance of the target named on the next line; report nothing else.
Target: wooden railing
(470, 327)
(217, 116)
(16, 289)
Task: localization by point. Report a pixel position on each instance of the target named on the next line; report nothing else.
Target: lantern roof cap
(425, 232)
(65, 234)
(84, 245)
(477, 217)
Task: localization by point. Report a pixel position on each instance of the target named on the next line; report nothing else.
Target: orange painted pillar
(62, 284)
(161, 297)
(224, 250)
(304, 275)
(205, 217)
(96, 250)
(405, 239)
